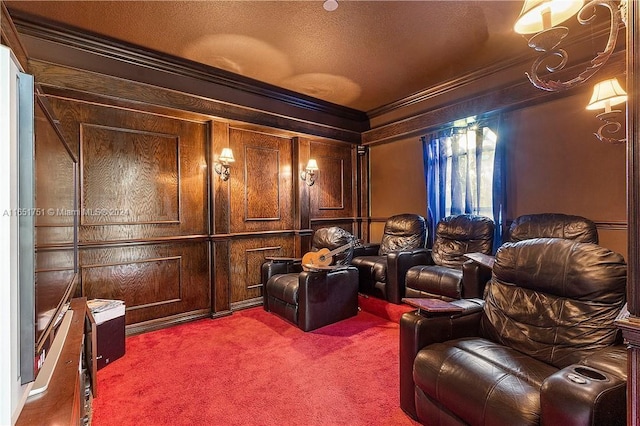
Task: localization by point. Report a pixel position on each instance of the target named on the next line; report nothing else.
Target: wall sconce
(222, 165)
(309, 173)
(541, 18)
(606, 94)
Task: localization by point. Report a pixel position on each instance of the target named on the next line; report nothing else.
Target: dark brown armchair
(544, 348)
(448, 274)
(314, 298)
(382, 267)
(553, 225)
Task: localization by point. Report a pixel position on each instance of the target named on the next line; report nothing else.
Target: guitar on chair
(324, 256)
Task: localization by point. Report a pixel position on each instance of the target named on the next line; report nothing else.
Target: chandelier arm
(596, 63)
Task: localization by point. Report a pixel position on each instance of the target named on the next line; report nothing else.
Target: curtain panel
(464, 173)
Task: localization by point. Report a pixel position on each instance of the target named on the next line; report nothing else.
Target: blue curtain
(500, 183)
(435, 175)
(448, 156)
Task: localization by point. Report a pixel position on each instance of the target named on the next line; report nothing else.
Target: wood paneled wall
(55, 218)
(161, 230)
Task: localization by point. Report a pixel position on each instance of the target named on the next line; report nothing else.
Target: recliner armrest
(282, 259)
(398, 263)
(418, 330)
(583, 395)
(474, 279)
(326, 296)
(280, 265)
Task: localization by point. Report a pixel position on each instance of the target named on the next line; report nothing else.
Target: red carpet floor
(254, 368)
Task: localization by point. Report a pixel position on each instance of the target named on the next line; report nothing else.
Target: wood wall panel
(55, 182)
(141, 284)
(261, 187)
(154, 280)
(128, 176)
(220, 197)
(246, 258)
(191, 244)
(55, 258)
(221, 267)
(332, 195)
(152, 167)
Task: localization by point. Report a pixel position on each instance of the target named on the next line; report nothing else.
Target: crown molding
(102, 46)
(600, 31)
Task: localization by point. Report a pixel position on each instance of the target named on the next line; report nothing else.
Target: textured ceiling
(364, 55)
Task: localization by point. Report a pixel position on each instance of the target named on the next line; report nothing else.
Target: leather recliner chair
(553, 225)
(314, 298)
(382, 267)
(543, 349)
(448, 274)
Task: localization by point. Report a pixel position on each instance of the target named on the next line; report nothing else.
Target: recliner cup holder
(589, 373)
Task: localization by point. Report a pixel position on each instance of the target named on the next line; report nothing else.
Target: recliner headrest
(564, 268)
(458, 235)
(403, 232)
(553, 225)
(333, 238)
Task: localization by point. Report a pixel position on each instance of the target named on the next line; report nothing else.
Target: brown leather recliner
(315, 298)
(544, 348)
(553, 225)
(448, 274)
(382, 267)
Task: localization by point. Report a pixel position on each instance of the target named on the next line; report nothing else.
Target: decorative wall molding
(145, 275)
(116, 58)
(262, 194)
(612, 226)
(332, 195)
(598, 32)
(143, 163)
(514, 96)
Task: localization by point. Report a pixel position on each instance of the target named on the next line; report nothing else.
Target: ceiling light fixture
(542, 18)
(330, 5)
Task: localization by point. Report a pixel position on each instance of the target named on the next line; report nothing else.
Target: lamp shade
(532, 18)
(312, 165)
(606, 94)
(226, 156)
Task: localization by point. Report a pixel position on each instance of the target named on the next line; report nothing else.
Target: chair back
(403, 232)
(553, 225)
(333, 238)
(554, 299)
(460, 234)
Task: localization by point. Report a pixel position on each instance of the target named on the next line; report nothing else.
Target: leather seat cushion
(481, 382)
(284, 287)
(434, 279)
(371, 268)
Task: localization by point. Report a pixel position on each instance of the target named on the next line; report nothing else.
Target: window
(464, 171)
